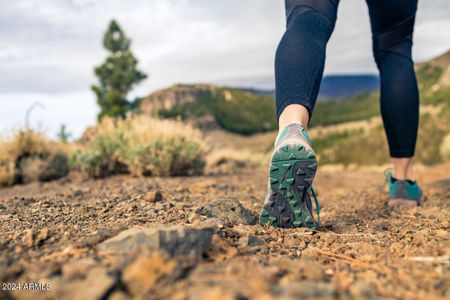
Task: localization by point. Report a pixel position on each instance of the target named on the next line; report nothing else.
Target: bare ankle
(402, 168)
(294, 113)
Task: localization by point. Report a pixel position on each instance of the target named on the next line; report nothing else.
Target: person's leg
(293, 113)
(392, 24)
(299, 66)
(300, 58)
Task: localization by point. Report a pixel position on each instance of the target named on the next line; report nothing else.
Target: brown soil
(364, 250)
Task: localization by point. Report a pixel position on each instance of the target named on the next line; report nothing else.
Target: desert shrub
(141, 146)
(30, 156)
(7, 165)
(101, 155)
(37, 169)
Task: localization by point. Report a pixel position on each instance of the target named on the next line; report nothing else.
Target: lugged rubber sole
(292, 171)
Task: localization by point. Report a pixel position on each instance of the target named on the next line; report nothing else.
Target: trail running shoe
(292, 170)
(403, 192)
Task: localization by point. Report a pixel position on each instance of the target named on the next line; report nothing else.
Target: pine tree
(63, 135)
(117, 75)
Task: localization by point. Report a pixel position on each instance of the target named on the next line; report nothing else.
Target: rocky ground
(197, 238)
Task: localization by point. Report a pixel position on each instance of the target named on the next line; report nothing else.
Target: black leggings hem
(401, 153)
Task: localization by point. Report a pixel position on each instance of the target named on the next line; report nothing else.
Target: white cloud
(50, 47)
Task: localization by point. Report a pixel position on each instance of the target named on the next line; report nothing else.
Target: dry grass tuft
(141, 145)
(30, 156)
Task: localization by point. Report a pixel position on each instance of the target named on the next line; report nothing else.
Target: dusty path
(53, 234)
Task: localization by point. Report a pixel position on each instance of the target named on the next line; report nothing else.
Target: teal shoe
(292, 170)
(404, 192)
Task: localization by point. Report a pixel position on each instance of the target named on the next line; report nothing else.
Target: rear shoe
(404, 193)
(292, 170)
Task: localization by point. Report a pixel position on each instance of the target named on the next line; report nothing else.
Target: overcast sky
(49, 48)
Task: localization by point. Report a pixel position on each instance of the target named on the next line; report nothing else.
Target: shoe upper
(404, 189)
(293, 134)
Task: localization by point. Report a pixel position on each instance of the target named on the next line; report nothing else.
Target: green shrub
(141, 146)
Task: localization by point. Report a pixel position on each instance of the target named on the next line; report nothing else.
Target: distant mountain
(343, 86)
(332, 87)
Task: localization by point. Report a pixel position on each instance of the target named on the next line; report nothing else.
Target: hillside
(209, 106)
(248, 111)
(340, 129)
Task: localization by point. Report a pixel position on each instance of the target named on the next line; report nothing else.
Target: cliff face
(173, 96)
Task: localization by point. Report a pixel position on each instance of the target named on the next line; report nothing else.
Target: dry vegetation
(146, 146)
(30, 156)
(141, 146)
(137, 145)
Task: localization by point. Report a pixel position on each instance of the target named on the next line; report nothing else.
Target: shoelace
(317, 205)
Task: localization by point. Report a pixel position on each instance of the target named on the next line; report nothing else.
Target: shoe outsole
(400, 202)
(292, 171)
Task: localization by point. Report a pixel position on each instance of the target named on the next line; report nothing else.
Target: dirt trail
(54, 234)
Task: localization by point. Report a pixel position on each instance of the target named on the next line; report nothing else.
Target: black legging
(300, 60)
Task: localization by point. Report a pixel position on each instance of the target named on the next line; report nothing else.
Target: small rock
(146, 271)
(28, 238)
(174, 240)
(41, 236)
(226, 210)
(155, 196)
(251, 240)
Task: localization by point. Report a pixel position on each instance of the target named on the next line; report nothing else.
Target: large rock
(227, 210)
(149, 271)
(174, 240)
(95, 285)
